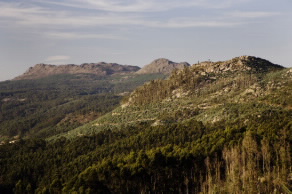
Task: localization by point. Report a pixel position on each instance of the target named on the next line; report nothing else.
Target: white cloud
(125, 6)
(144, 6)
(56, 58)
(41, 17)
(18, 16)
(52, 19)
(194, 22)
(72, 35)
(252, 14)
(38, 17)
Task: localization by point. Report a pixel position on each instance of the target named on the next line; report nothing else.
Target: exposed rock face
(100, 69)
(164, 66)
(243, 63)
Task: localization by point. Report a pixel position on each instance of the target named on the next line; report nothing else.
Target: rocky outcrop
(100, 69)
(242, 63)
(164, 66)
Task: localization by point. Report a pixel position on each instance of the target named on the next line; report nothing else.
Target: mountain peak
(162, 65)
(162, 60)
(238, 64)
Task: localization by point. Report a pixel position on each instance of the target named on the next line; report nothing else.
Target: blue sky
(135, 32)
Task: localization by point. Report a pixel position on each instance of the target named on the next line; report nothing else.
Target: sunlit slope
(231, 91)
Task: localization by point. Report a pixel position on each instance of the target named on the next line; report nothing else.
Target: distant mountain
(100, 69)
(162, 65)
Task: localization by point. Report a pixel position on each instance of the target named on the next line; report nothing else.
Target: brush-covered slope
(58, 103)
(99, 69)
(162, 65)
(210, 91)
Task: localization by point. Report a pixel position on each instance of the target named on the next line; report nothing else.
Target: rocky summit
(237, 64)
(100, 69)
(162, 65)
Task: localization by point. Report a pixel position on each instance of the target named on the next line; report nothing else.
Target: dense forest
(183, 157)
(223, 130)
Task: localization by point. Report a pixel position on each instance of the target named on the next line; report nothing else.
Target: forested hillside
(59, 103)
(222, 127)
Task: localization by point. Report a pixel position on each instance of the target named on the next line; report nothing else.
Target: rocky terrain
(238, 64)
(162, 65)
(100, 69)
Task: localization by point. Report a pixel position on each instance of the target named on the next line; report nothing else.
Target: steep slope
(99, 69)
(164, 66)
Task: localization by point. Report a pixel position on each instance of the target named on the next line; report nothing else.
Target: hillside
(203, 91)
(213, 127)
(58, 103)
(209, 111)
(162, 65)
(208, 78)
(99, 69)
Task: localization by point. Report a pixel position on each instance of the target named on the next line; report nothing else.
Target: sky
(136, 32)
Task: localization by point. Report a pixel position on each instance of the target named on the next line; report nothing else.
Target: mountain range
(163, 66)
(201, 88)
(213, 127)
(49, 99)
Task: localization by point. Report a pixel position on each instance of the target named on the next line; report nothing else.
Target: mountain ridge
(241, 63)
(100, 69)
(158, 66)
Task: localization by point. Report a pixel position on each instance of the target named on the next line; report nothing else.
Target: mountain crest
(99, 69)
(204, 78)
(162, 65)
(238, 64)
